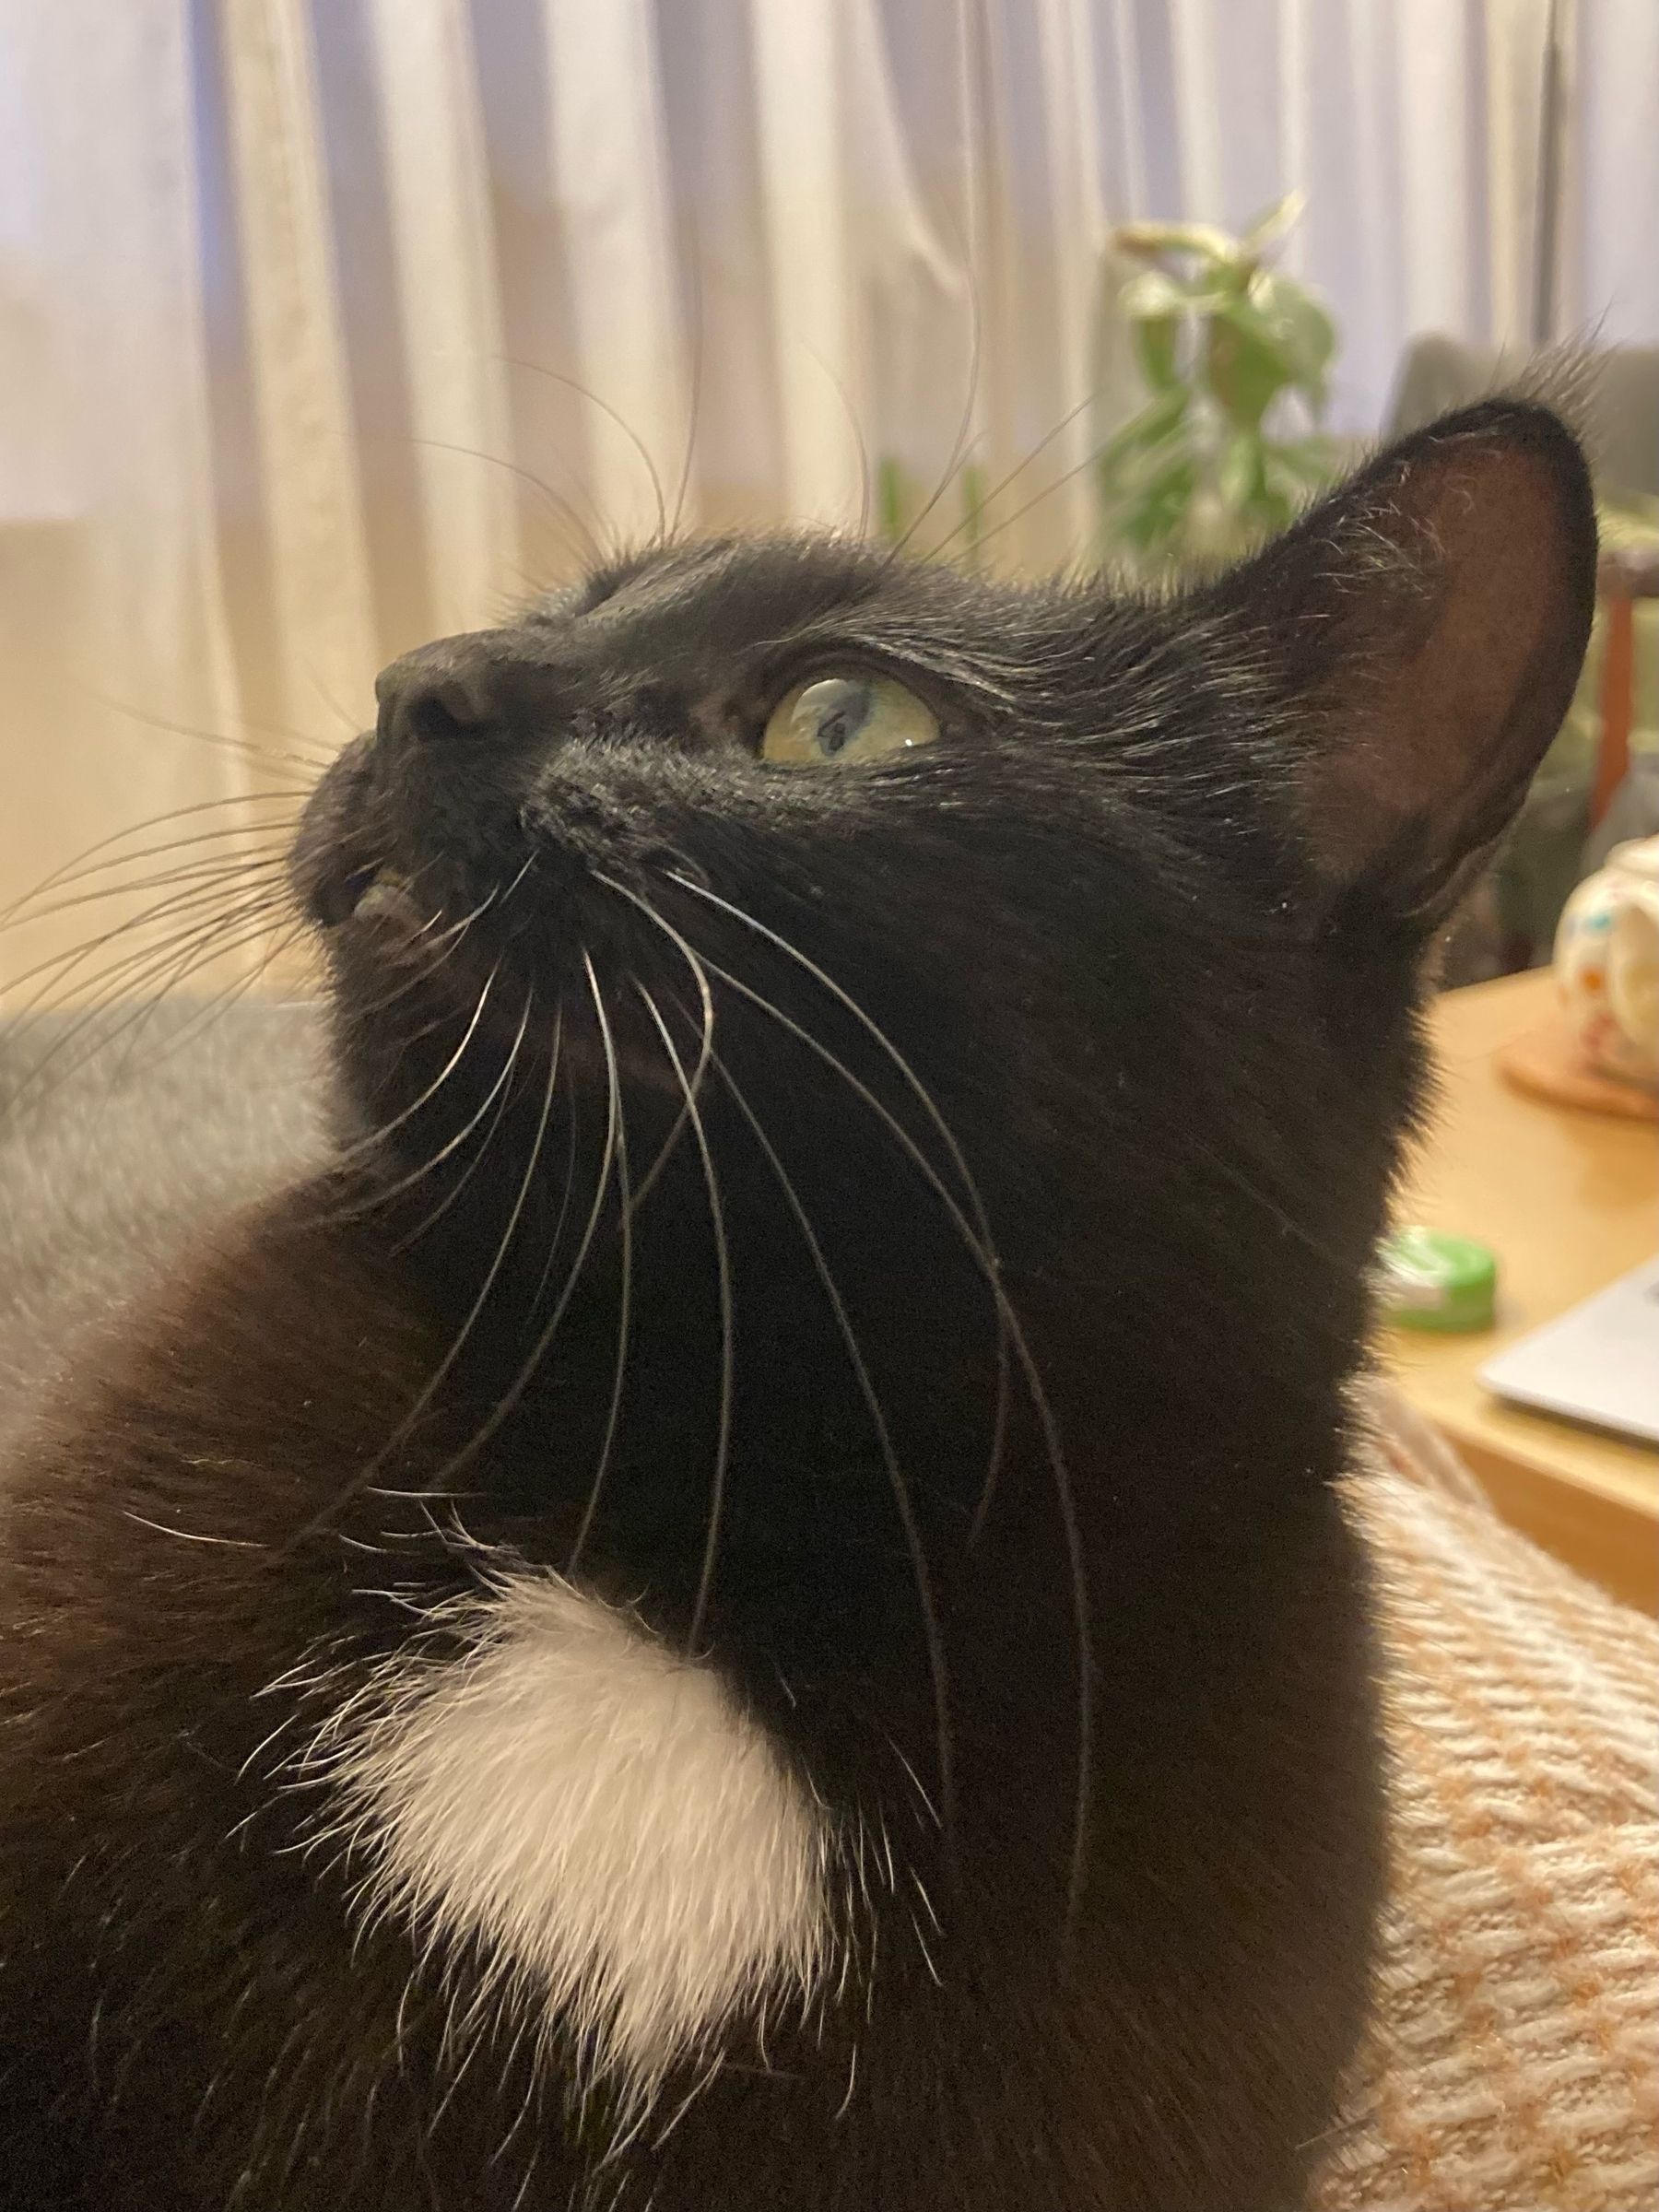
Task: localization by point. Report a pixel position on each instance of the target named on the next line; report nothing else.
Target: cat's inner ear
(1426, 622)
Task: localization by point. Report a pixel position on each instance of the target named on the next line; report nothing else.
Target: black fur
(1146, 926)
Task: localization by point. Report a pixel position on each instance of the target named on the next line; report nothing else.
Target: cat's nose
(459, 687)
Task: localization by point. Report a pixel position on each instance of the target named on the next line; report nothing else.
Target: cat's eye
(837, 721)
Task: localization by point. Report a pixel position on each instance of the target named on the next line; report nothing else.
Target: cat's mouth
(480, 952)
(339, 866)
(375, 894)
(372, 909)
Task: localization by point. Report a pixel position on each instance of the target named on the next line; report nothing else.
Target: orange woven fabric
(1515, 2061)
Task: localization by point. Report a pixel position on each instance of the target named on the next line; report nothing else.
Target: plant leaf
(1150, 294)
(1146, 242)
(1156, 339)
(1242, 365)
(1146, 432)
(1240, 478)
(1267, 228)
(1159, 512)
(1153, 292)
(1305, 334)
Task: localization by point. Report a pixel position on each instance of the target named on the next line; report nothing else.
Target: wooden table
(1567, 1199)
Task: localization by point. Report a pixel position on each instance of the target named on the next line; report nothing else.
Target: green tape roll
(1432, 1281)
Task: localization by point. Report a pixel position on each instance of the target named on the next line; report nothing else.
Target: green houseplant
(1234, 356)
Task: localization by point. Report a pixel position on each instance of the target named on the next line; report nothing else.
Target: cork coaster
(1549, 1062)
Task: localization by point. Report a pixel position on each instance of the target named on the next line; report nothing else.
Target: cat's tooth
(387, 895)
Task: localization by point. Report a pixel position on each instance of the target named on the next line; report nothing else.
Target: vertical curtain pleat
(911, 249)
(1290, 120)
(1438, 244)
(1197, 109)
(308, 475)
(710, 114)
(1514, 38)
(1611, 258)
(112, 621)
(609, 183)
(1063, 526)
(801, 109)
(449, 326)
(1043, 281)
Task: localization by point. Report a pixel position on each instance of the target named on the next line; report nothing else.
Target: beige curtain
(326, 325)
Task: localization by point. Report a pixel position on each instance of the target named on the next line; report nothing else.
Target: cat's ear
(1426, 622)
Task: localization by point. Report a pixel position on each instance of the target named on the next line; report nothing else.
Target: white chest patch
(595, 1813)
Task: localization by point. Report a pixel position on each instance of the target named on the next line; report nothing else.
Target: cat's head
(1081, 927)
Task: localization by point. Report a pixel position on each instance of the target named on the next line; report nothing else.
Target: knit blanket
(1515, 2061)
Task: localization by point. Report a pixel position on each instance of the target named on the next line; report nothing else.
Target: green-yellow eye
(844, 719)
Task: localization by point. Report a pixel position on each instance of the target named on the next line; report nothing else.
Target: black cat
(741, 1605)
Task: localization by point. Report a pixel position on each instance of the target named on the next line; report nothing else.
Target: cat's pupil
(844, 711)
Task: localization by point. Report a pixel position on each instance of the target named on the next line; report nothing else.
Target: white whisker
(375, 1140)
(509, 1397)
(722, 1262)
(705, 1040)
(365, 1476)
(625, 1288)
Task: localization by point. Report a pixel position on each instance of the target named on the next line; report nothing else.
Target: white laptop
(1597, 1362)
